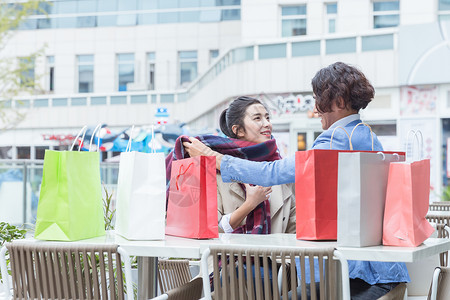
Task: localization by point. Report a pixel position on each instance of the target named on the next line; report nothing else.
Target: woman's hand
(197, 148)
(256, 194)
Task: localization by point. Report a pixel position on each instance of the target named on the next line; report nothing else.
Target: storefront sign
(292, 104)
(63, 139)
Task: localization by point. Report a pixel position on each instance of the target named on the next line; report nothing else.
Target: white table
(149, 251)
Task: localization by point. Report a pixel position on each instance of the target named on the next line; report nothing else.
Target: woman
(340, 91)
(246, 208)
(252, 209)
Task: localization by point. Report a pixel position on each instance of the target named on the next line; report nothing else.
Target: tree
(16, 74)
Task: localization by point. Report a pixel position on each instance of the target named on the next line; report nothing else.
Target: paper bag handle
(98, 137)
(129, 140)
(180, 173)
(332, 135)
(415, 134)
(364, 124)
(83, 130)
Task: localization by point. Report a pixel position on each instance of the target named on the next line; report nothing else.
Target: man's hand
(197, 148)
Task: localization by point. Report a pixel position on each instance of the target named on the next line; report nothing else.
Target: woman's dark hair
(235, 114)
(340, 80)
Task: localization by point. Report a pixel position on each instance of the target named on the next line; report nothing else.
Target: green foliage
(108, 212)
(446, 193)
(10, 232)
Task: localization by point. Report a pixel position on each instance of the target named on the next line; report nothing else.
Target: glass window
(147, 4)
(444, 4)
(69, 22)
(87, 6)
(231, 14)
(5, 103)
(125, 5)
(145, 19)
(228, 2)
(46, 23)
(188, 66)
(151, 70)
(125, 67)
(85, 73)
(118, 100)
(344, 45)
(28, 24)
(51, 73)
(293, 27)
(166, 98)
(107, 5)
(78, 101)
(167, 17)
(167, 3)
(6, 152)
(126, 20)
(213, 54)
(272, 51)
(22, 103)
(189, 16)
(377, 42)
(331, 15)
(89, 21)
(306, 48)
(39, 152)
(45, 8)
(23, 152)
(182, 97)
(40, 103)
(106, 21)
(98, 101)
(138, 99)
(59, 102)
(153, 99)
(386, 14)
(188, 3)
(206, 3)
(26, 65)
(293, 20)
(243, 54)
(65, 7)
(210, 15)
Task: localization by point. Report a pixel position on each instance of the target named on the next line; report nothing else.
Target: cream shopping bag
(141, 195)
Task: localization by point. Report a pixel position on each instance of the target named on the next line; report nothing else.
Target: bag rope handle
(416, 134)
(98, 137)
(332, 135)
(180, 173)
(78, 135)
(129, 140)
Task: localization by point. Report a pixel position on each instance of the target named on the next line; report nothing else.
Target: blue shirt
(283, 171)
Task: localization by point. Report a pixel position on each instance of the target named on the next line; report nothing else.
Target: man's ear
(340, 103)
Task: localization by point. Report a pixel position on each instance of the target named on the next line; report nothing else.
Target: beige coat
(230, 196)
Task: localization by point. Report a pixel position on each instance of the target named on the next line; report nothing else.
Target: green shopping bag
(70, 203)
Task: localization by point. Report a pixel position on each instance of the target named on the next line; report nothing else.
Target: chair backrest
(172, 274)
(52, 270)
(440, 286)
(242, 273)
(438, 219)
(440, 206)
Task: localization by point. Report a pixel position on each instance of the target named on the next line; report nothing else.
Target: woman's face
(257, 125)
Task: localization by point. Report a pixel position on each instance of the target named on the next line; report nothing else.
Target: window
(85, 73)
(26, 65)
(151, 70)
(444, 10)
(39, 152)
(293, 20)
(51, 73)
(125, 68)
(212, 55)
(23, 152)
(188, 66)
(386, 14)
(331, 17)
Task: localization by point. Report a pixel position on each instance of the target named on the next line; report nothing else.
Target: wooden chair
(175, 280)
(440, 206)
(234, 283)
(440, 286)
(55, 270)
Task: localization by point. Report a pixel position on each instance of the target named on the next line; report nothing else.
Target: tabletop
(192, 248)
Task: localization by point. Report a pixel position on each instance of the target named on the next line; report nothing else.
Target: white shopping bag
(362, 182)
(141, 195)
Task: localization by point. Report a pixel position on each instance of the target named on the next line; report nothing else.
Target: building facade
(119, 62)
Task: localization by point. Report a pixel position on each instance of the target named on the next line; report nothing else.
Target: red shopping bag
(407, 200)
(316, 173)
(192, 205)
